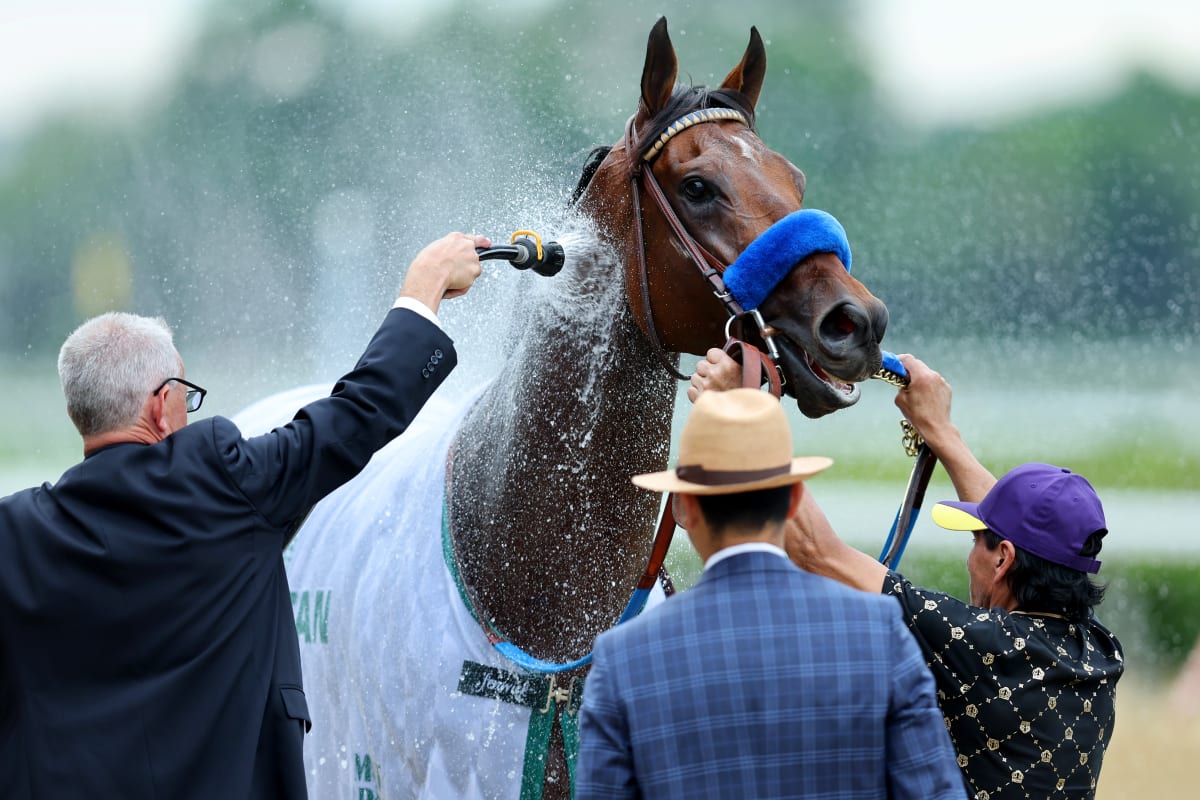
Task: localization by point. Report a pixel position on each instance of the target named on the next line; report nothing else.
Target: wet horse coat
(521, 491)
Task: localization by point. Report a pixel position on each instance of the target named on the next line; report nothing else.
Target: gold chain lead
(911, 440)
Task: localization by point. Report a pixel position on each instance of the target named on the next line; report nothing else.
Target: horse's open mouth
(817, 393)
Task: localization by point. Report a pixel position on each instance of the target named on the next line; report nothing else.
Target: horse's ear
(658, 76)
(747, 76)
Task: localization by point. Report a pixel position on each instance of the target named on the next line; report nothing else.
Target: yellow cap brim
(955, 519)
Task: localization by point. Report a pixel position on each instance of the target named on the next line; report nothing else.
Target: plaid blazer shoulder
(763, 681)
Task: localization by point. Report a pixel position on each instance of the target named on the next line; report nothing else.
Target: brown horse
(543, 536)
(548, 532)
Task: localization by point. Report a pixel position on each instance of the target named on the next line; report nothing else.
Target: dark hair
(745, 510)
(594, 160)
(1043, 586)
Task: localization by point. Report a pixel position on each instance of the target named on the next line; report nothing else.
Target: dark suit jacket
(147, 645)
(763, 681)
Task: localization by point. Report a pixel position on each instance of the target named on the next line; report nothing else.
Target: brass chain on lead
(911, 440)
(891, 378)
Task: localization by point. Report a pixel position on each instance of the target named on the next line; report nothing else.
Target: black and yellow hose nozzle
(528, 251)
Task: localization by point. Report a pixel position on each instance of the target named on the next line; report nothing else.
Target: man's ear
(794, 499)
(680, 508)
(157, 411)
(1006, 559)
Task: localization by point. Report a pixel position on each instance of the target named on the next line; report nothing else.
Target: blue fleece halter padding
(771, 256)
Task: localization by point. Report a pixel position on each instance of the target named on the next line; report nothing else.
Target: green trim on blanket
(568, 721)
(448, 557)
(537, 745)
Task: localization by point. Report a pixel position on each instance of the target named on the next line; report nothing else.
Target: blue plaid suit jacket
(763, 681)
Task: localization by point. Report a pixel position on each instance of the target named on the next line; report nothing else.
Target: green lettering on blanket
(366, 778)
(362, 768)
(311, 609)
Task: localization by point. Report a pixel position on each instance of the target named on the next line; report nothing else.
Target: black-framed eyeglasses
(192, 399)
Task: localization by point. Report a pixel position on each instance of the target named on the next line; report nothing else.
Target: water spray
(527, 251)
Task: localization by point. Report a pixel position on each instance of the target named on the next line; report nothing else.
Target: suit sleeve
(920, 757)
(285, 472)
(605, 766)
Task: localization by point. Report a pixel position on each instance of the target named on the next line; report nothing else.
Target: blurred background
(1021, 186)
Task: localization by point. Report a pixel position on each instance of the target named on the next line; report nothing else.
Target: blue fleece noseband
(771, 256)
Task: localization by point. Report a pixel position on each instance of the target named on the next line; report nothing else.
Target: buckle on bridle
(767, 332)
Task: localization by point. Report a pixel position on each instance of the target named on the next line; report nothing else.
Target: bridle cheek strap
(643, 277)
(710, 267)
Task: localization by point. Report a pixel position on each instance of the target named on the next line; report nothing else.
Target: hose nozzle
(543, 258)
(528, 251)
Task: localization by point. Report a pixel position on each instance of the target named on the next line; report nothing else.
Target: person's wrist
(940, 434)
(425, 286)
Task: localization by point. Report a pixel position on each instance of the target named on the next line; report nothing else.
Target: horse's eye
(696, 190)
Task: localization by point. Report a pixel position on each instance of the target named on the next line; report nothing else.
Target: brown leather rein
(641, 159)
(757, 367)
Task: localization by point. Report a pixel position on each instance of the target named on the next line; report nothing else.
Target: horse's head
(725, 188)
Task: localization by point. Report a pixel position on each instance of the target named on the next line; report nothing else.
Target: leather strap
(641, 172)
(656, 568)
(757, 367)
(643, 276)
(906, 516)
(708, 264)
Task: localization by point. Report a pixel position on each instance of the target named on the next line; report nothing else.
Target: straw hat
(734, 441)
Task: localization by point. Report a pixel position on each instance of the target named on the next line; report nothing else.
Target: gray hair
(110, 365)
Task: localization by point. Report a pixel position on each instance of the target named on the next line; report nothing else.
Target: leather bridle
(757, 367)
(640, 156)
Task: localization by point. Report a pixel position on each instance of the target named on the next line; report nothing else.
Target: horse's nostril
(843, 322)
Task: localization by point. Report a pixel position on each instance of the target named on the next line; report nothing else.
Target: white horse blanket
(384, 633)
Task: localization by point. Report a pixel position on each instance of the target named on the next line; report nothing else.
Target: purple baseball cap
(1047, 510)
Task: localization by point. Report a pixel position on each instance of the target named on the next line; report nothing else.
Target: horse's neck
(550, 534)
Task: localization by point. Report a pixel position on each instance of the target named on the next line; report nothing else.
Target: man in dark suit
(761, 680)
(147, 646)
